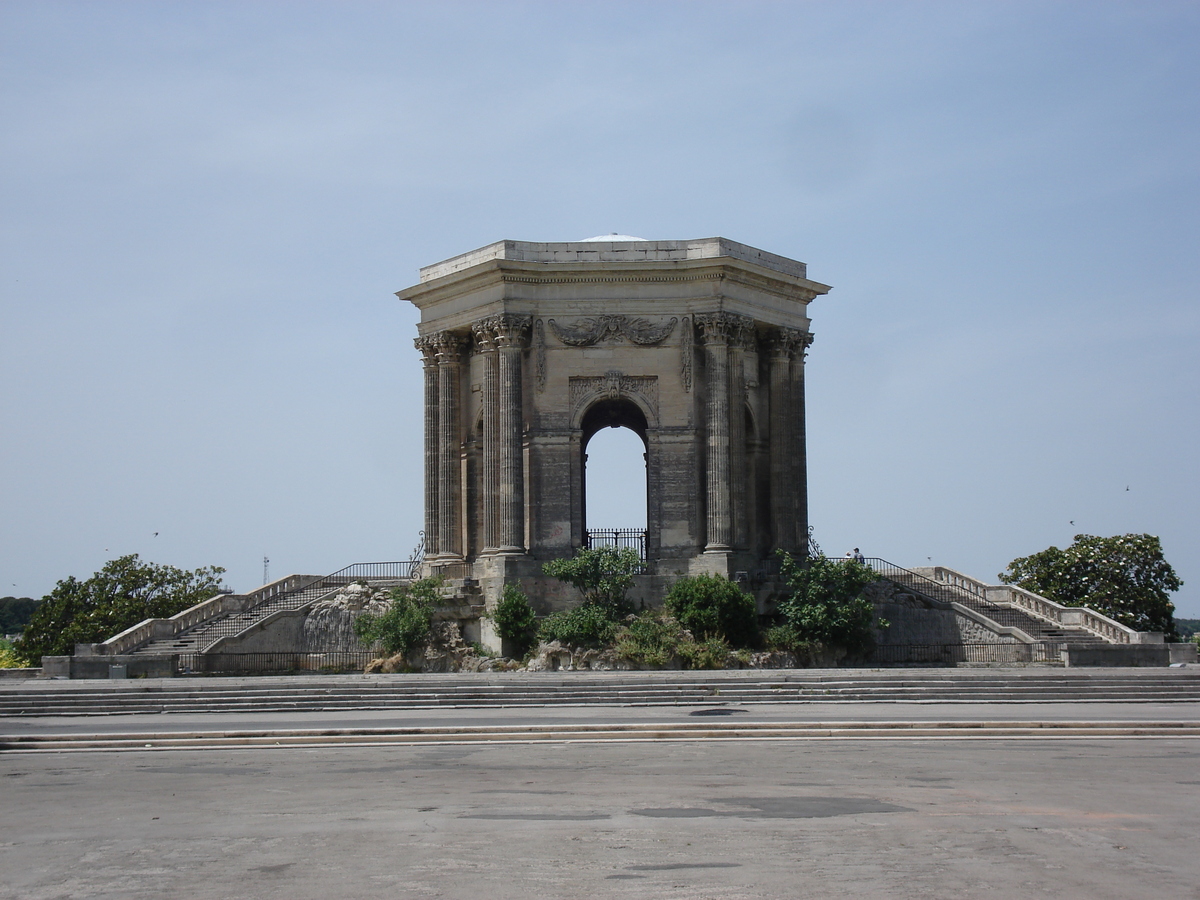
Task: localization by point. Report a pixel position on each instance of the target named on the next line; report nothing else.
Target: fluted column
(511, 335)
(489, 481)
(783, 519)
(449, 348)
(741, 340)
(429, 359)
(799, 443)
(716, 333)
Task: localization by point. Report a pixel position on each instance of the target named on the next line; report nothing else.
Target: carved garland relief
(590, 330)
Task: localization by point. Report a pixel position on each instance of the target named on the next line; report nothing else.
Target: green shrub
(826, 605)
(713, 607)
(652, 639)
(712, 653)
(405, 625)
(603, 575)
(9, 658)
(515, 619)
(588, 625)
(788, 640)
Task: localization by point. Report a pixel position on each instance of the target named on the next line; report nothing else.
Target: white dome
(610, 237)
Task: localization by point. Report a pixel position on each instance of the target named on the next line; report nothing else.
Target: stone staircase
(1038, 628)
(199, 637)
(492, 690)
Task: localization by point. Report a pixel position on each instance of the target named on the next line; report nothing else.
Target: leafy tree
(826, 604)
(515, 619)
(406, 624)
(15, 613)
(603, 575)
(126, 591)
(713, 607)
(1125, 577)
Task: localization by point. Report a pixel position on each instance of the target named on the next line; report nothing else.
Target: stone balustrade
(1018, 598)
(205, 611)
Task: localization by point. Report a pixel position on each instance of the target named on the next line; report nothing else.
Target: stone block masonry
(530, 348)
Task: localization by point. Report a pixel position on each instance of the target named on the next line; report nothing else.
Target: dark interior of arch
(614, 414)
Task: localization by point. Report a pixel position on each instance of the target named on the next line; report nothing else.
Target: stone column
(783, 520)
(489, 480)
(799, 443)
(742, 340)
(449, 348)
(511, 335)
(716, 333)
(429, 359)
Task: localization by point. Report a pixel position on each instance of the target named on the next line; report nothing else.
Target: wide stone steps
(418, 692)
(198, 638)
(1036, 628)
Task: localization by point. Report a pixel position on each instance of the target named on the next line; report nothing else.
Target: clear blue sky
(207, 207)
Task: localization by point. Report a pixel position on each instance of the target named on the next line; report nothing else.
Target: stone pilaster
(512, 334)
(429, 360)
(717, 330)
(489, 481)
(449, 350)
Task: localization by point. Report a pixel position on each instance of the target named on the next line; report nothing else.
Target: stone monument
(529, 349)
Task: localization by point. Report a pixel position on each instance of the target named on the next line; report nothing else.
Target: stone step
(212, 697)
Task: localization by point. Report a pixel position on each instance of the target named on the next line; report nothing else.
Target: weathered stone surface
(697, 346)
(329, 626)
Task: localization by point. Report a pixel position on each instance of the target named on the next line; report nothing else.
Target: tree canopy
(1125, 577)
(126, 591)
(15, 613)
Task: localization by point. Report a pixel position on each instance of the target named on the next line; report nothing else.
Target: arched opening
(614, 475)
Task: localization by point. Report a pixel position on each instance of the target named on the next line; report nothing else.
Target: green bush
(713, 607)
(588, 626)
(652, 639)
(656, 638)
(787, 639)
(712, 653)
(826, 605)
(405, 625)
(515, 619)
(603, 575)
(9, 658)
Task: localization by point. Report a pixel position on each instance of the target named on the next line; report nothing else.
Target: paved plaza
(871, 817)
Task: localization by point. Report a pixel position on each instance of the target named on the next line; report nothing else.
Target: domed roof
(610, 237)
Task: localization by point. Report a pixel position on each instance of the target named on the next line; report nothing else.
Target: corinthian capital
(786, 341)
(428, 347)
(448, 346)
(511, 330)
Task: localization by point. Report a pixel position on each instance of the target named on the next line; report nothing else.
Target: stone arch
(622, 412)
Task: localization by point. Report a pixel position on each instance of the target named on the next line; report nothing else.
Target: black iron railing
(273, 663)
(954, 654)
(621, 538)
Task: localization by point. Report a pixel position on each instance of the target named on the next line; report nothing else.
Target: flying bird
(156, 534)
